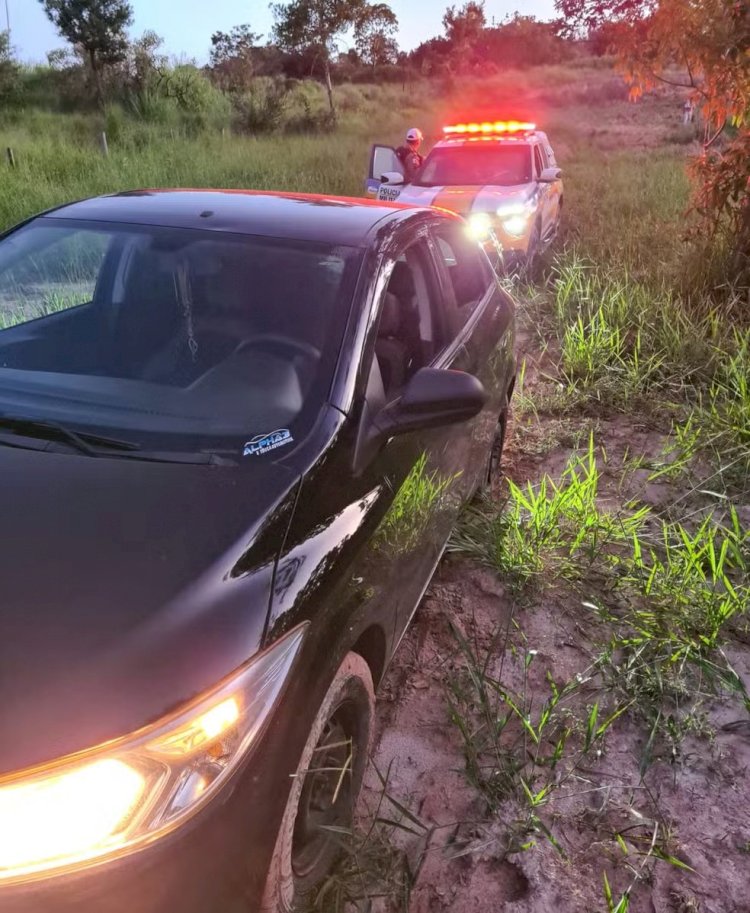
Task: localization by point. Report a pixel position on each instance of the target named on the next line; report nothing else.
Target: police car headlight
(515, 217)
(480, 225)
(114, 799)
(516, 225)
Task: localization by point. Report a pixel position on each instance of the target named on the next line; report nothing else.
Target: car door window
(60, 275)
(469, 275)
(539, 160)
(382, 160)
(410, 330)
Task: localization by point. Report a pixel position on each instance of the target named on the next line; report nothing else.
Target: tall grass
(153, 144)
(549, 529)
(630, 344)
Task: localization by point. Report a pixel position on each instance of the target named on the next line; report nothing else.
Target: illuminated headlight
(480, 225)
(112, 800)
(515, 217)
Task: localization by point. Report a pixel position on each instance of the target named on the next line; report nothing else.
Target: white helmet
(414, 135)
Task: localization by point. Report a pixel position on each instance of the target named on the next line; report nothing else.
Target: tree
(233, 57)
(144, 61)
(316, 25)
(9, 70)
(710, 44)
(374, 35)
(98, 27)
(464, 26)
(521, 41)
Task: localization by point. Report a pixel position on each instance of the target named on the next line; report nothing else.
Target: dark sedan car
(235, 431)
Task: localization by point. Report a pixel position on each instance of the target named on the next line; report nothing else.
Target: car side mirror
(433, 398)
(550, 175)
(392, 177)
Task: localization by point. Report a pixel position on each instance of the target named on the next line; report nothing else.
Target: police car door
(383, 160)
(547, 204)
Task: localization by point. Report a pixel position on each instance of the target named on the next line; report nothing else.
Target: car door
(464, 324)
(481, 315)
(430, 471)
(545, 192)
(369, 525)
(383, 160)
(550, 192)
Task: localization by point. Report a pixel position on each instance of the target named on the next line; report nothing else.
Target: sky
(187, 25)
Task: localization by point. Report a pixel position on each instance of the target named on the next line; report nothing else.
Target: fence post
(103, 144)
(11, 157)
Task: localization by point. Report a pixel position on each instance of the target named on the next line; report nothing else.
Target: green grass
(667, 591)
(50, 172)
(549, 529)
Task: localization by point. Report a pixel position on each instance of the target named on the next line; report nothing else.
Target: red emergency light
(498, 126)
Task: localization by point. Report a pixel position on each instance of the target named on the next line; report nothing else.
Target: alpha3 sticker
(264, 443)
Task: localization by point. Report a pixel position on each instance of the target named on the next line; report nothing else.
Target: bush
(201, 104)
(152, 106)
(311, 122)
(63, 87)
(261, 109)
(114, 123)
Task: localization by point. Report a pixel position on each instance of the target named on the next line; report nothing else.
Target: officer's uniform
(411, 161)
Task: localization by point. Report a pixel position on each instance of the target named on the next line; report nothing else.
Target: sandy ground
(464, 859)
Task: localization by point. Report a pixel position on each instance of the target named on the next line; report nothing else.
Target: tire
(303, 855)
(493, 465)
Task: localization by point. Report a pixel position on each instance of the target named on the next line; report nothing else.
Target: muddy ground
(464, 856)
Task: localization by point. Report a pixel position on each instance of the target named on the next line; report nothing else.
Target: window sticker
(264, 443)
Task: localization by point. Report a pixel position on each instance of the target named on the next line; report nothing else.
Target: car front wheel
(492, 471)
(324, 791)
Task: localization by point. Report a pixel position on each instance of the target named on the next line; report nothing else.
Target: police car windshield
(477, 163)
(170, 339)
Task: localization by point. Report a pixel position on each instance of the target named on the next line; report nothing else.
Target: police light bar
(498, 126)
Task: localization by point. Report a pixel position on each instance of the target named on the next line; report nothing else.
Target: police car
(502, 176)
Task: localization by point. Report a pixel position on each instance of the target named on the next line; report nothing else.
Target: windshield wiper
(84, 441)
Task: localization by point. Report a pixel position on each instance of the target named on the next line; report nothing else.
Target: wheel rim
(326, 798)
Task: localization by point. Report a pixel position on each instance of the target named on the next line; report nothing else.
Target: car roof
(298, 216)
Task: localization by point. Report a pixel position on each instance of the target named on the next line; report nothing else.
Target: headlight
(480, 225)
(114, 799)
(515, 217)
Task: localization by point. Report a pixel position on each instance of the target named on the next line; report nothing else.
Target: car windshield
(172, 339)
(476, 165)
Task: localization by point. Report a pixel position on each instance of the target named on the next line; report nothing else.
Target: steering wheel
(284, 342)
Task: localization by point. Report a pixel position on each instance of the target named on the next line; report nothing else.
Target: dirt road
(692, 802)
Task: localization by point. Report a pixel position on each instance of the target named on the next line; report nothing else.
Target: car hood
(128, 587)
(466, 200)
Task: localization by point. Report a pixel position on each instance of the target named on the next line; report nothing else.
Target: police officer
(409, 155)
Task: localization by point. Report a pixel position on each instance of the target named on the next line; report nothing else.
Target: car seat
(148, 318)
(166, 332)
(391, 350)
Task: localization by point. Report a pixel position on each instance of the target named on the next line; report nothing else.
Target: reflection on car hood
(127, 588)
(466, 200)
